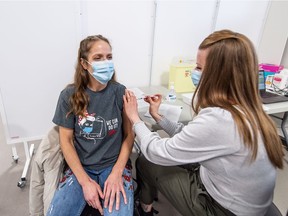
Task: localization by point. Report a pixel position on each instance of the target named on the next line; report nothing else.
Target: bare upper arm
(66, 135)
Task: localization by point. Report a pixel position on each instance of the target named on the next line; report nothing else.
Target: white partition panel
(180, 27)
(39, 42)
(246, 17)
(275, 34)
(128, 25)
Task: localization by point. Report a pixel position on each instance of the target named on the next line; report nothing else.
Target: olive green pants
(181, 186)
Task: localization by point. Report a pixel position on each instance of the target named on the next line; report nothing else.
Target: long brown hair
(79, 99)
(230, 81)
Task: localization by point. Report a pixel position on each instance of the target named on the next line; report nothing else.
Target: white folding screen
(38, 52)
(275, 34)
(129, 26)
(39, 42)
(246, 17)
(284, 60)
(179, 28)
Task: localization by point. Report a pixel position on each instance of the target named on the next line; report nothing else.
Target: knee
(145, 168)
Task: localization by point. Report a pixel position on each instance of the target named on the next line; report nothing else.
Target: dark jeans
(181, 185)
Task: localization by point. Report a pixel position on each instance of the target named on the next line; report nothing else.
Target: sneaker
(141, 212)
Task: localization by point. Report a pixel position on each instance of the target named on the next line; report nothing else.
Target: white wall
(275, 33)
(39, 45)
(284, 60)
(39, 42)
(128, 25)
(179, 29)
(246, 17)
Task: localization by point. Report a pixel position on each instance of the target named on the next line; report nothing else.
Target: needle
(152, 96)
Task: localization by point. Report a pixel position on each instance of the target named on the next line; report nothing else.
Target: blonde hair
(229, 78)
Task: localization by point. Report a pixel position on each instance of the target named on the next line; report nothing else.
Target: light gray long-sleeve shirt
(240, 185)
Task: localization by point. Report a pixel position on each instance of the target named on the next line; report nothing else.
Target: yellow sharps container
(180, 75)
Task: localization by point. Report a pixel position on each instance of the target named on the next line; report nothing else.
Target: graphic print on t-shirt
(95, 128)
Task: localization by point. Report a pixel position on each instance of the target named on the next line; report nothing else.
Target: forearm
(156, 116)
(171, 128)
(124, 154)
(74, 163)
(127, 144)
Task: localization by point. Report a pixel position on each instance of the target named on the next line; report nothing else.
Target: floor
(14, 200)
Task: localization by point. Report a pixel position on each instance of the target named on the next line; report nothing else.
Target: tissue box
(270, 67)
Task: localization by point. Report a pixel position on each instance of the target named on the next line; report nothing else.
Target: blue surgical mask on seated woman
(196, 76)
(102, 70)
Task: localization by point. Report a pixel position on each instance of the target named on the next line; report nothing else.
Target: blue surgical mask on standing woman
(196, 76)
(102, 70)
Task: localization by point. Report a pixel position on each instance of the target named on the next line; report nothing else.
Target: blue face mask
(102, 70)
(196, 76)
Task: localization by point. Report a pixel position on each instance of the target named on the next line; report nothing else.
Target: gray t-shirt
(98, 135)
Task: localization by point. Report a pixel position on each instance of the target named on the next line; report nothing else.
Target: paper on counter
(171, 112)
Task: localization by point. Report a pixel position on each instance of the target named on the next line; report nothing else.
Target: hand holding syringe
(130, 105)
(154, 101)
(145, 97)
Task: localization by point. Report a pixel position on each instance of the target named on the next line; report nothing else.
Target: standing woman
(95, 136)
(231, 137)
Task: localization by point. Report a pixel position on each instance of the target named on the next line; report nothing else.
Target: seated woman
(96, 137)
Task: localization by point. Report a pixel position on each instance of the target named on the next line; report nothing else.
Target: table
(186, 115)
(280, 107)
